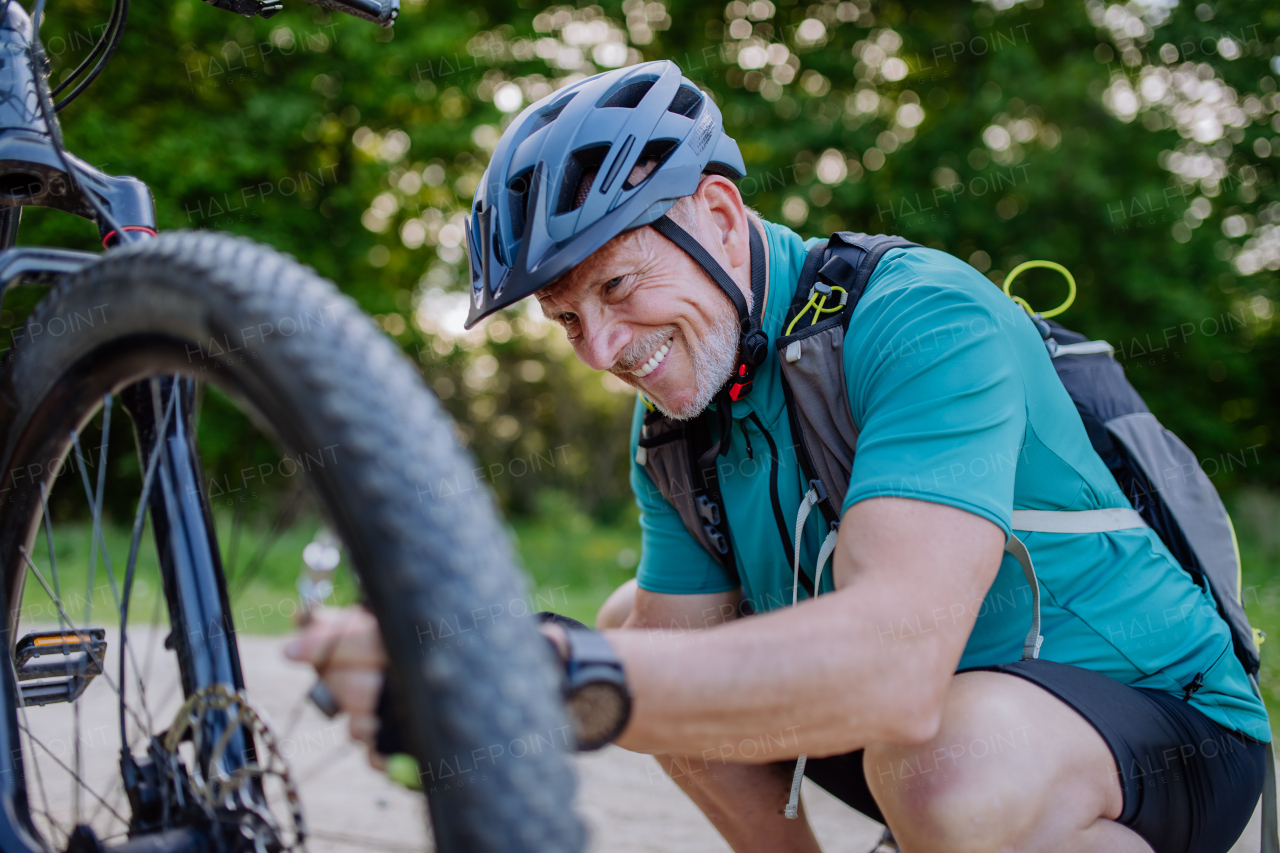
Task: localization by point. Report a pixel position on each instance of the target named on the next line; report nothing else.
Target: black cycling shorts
(1190, 785)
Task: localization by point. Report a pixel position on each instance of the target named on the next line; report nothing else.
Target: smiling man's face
(642, 309)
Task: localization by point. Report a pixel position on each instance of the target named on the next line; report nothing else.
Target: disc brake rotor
(237, 796)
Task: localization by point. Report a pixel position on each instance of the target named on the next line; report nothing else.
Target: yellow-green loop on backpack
(1026, 265)
(403, 770)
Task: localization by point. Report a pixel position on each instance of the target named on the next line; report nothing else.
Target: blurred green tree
(1134, 143)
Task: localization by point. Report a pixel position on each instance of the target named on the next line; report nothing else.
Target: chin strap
(753, 345)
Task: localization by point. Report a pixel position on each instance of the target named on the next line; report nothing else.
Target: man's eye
(613, 282)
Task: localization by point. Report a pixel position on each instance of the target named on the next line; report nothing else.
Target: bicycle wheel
(145, 323)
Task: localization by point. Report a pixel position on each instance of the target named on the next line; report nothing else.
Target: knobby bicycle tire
(276, 336)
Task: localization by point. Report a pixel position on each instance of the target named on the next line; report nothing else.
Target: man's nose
(601, 347)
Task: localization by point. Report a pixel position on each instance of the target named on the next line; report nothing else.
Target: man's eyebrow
(549, 311)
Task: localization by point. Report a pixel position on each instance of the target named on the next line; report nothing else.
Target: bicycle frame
(31, 169)
(32, 173)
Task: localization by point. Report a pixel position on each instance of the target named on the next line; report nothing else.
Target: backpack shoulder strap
(835, 273)
(670, 452)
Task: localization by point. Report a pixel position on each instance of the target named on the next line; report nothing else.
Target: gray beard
(713, 361)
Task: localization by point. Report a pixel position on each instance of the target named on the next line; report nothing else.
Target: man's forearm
(824, 678)
(869, 663)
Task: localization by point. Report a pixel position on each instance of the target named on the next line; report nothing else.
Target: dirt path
(628, 803)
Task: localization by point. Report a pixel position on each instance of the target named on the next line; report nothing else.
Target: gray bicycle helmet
(557, 187)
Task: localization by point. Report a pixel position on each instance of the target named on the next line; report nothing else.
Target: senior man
(902, 677)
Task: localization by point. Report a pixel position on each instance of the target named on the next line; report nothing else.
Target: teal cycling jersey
(957, 403)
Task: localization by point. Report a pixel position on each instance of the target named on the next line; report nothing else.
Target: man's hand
(346, 649)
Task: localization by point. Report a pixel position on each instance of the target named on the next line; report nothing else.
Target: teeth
(654, 360)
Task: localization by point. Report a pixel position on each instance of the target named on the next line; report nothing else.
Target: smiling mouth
(654, 360)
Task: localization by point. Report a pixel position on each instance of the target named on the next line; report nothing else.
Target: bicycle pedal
(61, 663)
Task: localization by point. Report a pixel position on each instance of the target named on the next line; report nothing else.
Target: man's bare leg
(1045, 780)
(1011, 768)
(744, 802)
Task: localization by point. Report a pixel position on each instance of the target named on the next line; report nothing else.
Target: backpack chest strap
(1059, 521)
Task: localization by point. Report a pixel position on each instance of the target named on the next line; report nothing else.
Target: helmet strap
(753, 343)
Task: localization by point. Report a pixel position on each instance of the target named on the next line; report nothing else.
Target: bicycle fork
(191, 571)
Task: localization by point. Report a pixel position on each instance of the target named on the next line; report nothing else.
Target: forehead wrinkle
(623, 250)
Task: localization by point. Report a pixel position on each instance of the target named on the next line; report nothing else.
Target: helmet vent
(653, 155)
(549, 116)
(519, 204)
(580, 172)
(630, 95)
(686, 102)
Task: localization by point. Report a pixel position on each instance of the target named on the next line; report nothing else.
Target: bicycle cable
(93, 54)
(38, 64)
(113, 22)
(119, 14)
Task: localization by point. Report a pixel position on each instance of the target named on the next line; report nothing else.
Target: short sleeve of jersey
(935, 387)
(671, 560)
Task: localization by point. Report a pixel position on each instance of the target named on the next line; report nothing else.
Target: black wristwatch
(595, 686)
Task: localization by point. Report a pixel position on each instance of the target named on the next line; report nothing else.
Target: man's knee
(972, 785)
(930, 806)
(617, 607)
(1009, 757)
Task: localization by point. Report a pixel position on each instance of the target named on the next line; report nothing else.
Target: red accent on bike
(141, 228)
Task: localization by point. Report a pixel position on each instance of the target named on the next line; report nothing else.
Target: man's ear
(728, 218)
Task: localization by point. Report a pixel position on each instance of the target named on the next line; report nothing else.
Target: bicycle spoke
(54, 825)
(283, 519)
(175, 688)
(233, 550)
(132, 564)
(44, 799)
(293, 718)
(95, 504)
(57, 599)
(57, 592)
(48, 535)
(151, 645)
(76, 799)
(105, 676)
(327, 763)
(79, 781)
(114, 792)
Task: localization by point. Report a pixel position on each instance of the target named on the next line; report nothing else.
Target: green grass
(1256, 514)
(262, 600)
(573, 563)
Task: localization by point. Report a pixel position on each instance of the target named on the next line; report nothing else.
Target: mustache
(639, 351)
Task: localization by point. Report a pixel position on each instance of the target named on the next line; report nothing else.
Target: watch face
(598, 711)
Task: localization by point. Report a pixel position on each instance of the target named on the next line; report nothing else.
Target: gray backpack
(1184, 509)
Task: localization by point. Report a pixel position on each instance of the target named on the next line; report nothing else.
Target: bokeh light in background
(1135, 142)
